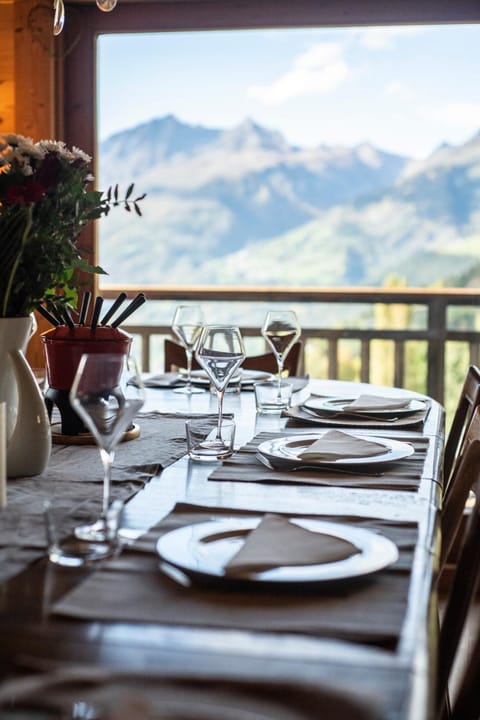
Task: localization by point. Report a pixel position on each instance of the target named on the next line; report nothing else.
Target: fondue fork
(84, 309)
(48, 316)
(120, 299)
(134, 305)
(96, 312)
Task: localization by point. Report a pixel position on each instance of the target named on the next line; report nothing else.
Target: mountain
(243, 206)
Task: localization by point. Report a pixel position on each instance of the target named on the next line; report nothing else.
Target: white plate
(338, 405)
(201, 551)
(287, 450)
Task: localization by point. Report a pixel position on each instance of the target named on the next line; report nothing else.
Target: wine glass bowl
(107, 392)
(187, 325)
(220, 352)
(281, 330)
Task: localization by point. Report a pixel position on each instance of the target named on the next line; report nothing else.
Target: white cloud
(318, 71)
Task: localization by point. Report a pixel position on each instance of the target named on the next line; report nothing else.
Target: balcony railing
(429, 318)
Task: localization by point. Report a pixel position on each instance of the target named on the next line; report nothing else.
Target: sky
(406, 90)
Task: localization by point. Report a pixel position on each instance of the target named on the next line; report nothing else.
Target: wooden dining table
(39, 633)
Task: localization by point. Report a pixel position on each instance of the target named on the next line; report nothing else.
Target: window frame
(76, 72)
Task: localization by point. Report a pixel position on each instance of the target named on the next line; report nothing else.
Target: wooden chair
(175, 358)
(469, 399)
(463, 588)
(459, 489)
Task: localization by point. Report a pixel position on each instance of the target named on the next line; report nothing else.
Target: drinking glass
(220, 352)
(187, 325)
(281, 330)
(107, 392)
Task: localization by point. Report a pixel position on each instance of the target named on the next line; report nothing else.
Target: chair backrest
(468, 401)
(460, 487)
(462, 592)
(175, 358)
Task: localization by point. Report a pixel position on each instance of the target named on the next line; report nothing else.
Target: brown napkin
(377, 402)
(277, 542)
(335, 444)
(163, 380)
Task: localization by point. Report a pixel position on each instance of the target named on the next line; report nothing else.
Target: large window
(313, 79)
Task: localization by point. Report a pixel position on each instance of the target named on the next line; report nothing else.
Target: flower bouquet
(46, 199)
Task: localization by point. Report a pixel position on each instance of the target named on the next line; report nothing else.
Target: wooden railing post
(437, 328)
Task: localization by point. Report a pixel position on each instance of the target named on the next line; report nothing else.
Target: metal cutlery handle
(326, 466)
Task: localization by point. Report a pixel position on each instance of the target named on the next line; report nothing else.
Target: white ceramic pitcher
(28, 428)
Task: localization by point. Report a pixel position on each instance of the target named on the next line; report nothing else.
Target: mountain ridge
(222, 202)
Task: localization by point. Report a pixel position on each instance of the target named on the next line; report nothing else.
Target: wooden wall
(28, 85)
(27, 68)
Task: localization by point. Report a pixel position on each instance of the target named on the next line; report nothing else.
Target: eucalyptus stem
(16, 262)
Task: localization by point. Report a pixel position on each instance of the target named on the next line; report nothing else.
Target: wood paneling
(34, 70)
(27, 85)
(7, 69)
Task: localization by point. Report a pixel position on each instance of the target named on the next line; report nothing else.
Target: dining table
(138, 619)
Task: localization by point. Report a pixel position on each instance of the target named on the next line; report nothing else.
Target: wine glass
(281, 330)
(107, 392)
(220, 352)
(187, 325)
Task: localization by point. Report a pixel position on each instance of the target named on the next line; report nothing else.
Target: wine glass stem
(107, 462)
(279, 377)
(220, 394)
(188, 353)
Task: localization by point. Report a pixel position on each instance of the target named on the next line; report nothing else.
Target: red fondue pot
(65, 346)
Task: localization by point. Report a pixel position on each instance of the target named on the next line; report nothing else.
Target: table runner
(401, 475)
(72, 476)
(131, 588)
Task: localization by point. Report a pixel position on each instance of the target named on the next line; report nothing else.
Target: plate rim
(385, 552)
(366, 460)
(375, 412)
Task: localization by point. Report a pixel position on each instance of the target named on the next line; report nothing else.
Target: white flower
(56, 146)
(81, 155)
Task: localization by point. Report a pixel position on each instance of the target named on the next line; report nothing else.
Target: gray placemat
(74, 476)
(131, 588)
(405, 474)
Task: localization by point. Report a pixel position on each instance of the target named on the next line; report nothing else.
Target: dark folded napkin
(335, 445)
(368, 403)
(278, 542)
(163, 380)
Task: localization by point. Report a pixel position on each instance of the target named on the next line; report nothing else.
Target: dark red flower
(27, 194)
(49, 172)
